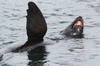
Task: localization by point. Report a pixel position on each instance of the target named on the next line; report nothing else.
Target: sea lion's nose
(79, 29)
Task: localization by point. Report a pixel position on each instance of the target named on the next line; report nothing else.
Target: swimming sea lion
(75, 29)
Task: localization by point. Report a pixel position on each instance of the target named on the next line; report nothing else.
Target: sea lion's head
(77, 27)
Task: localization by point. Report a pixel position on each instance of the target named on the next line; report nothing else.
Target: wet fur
(69, 31)
(36, 26)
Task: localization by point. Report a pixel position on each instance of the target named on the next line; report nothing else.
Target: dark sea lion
(36, 25)
(37, 28)
(75, 29)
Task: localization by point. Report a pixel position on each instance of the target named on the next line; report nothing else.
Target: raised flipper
(36, 24)
(75, 29)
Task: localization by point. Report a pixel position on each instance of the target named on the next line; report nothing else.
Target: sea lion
(37, 28)
(75, 30)
(36, 25)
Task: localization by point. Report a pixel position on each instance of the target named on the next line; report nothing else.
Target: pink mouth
(78, 23)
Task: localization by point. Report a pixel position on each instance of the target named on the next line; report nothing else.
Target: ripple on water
(95, 6)
(62, 52)
(85, 0)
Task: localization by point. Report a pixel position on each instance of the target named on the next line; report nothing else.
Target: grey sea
(55, 51)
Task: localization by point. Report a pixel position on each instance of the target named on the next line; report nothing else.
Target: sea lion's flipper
(36, 24)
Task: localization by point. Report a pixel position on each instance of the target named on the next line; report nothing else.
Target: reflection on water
(37, 56)
(58, 14)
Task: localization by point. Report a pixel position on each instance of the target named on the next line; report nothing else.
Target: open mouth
(78, 23)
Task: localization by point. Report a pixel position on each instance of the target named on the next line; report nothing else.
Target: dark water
(58, 14)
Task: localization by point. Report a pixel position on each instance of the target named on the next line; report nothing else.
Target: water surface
(58, 14)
